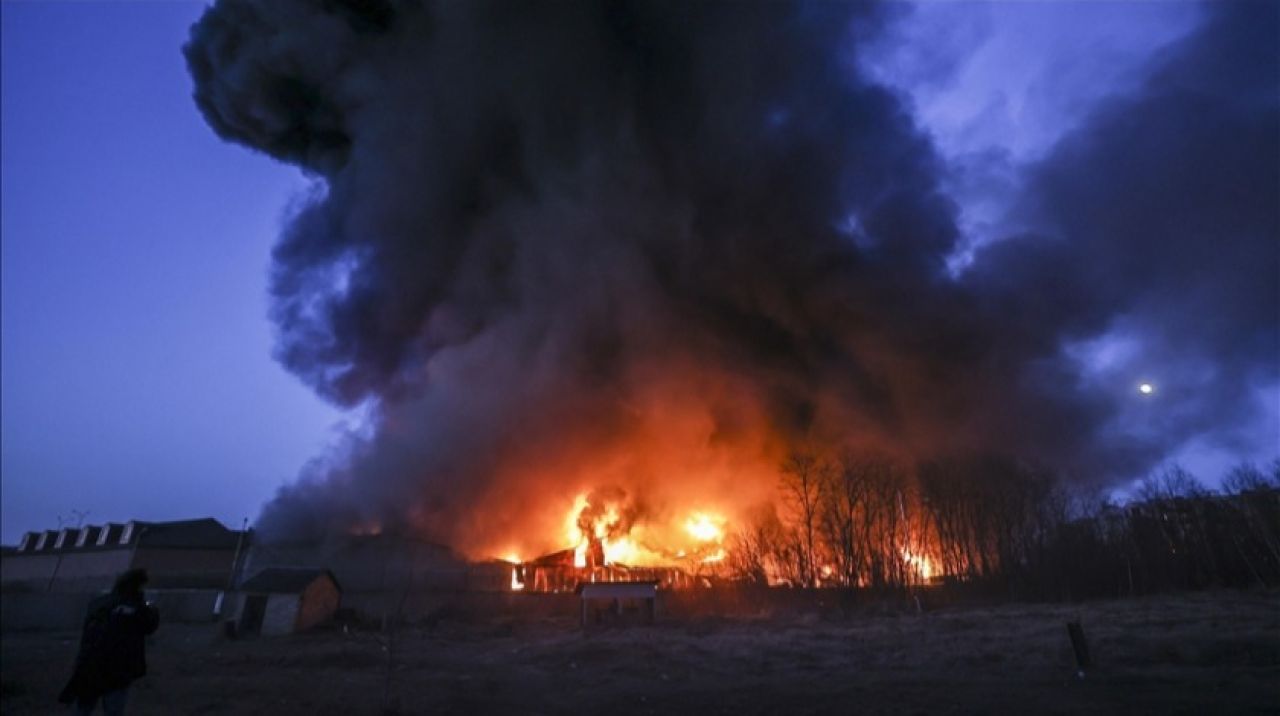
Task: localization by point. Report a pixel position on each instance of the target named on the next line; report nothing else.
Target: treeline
(999, 525)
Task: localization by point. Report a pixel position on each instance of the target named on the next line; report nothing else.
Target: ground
(1202, 653)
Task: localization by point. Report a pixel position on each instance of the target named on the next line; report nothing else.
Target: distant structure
(186, 554)
(284, 600)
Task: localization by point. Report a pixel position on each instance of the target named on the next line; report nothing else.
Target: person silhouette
(112, 647)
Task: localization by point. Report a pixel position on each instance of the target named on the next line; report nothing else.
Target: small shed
(287, 600)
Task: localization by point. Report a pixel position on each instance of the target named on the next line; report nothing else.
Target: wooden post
(1080, 645)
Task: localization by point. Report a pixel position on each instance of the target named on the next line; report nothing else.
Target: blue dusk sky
(432, 308)
(137, 372)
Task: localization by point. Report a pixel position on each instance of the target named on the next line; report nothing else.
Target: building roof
(202, 533)
(285, 580)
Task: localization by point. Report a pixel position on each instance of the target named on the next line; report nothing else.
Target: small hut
(286, 600)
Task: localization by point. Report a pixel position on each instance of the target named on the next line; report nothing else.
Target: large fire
(677, 494)
(603, 531)
(608, 537)
(708, 531)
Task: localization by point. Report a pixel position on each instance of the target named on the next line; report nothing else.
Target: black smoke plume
(549, 241)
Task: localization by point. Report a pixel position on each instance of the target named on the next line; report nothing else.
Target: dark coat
(112, 646)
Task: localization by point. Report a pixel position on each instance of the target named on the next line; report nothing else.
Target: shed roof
(285, 580)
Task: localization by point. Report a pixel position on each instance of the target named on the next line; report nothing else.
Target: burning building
(610, 541)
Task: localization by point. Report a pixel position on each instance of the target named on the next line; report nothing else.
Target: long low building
(199, 553)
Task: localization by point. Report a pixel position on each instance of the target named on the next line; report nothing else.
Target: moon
(1146, 388)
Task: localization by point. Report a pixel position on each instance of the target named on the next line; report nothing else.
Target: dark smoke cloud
(547, 230)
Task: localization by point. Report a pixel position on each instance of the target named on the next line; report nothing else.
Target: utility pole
(235, 563)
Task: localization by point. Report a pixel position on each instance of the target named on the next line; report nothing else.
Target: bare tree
(1004, 523)
(1252, 496)
(949, 501)
(756, 551)
(864, 520)
(886, 537)
(840, 512)
(1169, 482)
(803, 477)
(1247, 477)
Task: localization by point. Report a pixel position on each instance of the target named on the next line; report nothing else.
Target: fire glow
(609, 537)
(920, 566)
(602, 534)
(708, 531)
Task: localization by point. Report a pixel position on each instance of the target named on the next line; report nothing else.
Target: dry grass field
(1209, 653)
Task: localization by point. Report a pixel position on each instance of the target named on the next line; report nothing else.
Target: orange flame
(920, 565)
(704, 527)
(699, 537)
